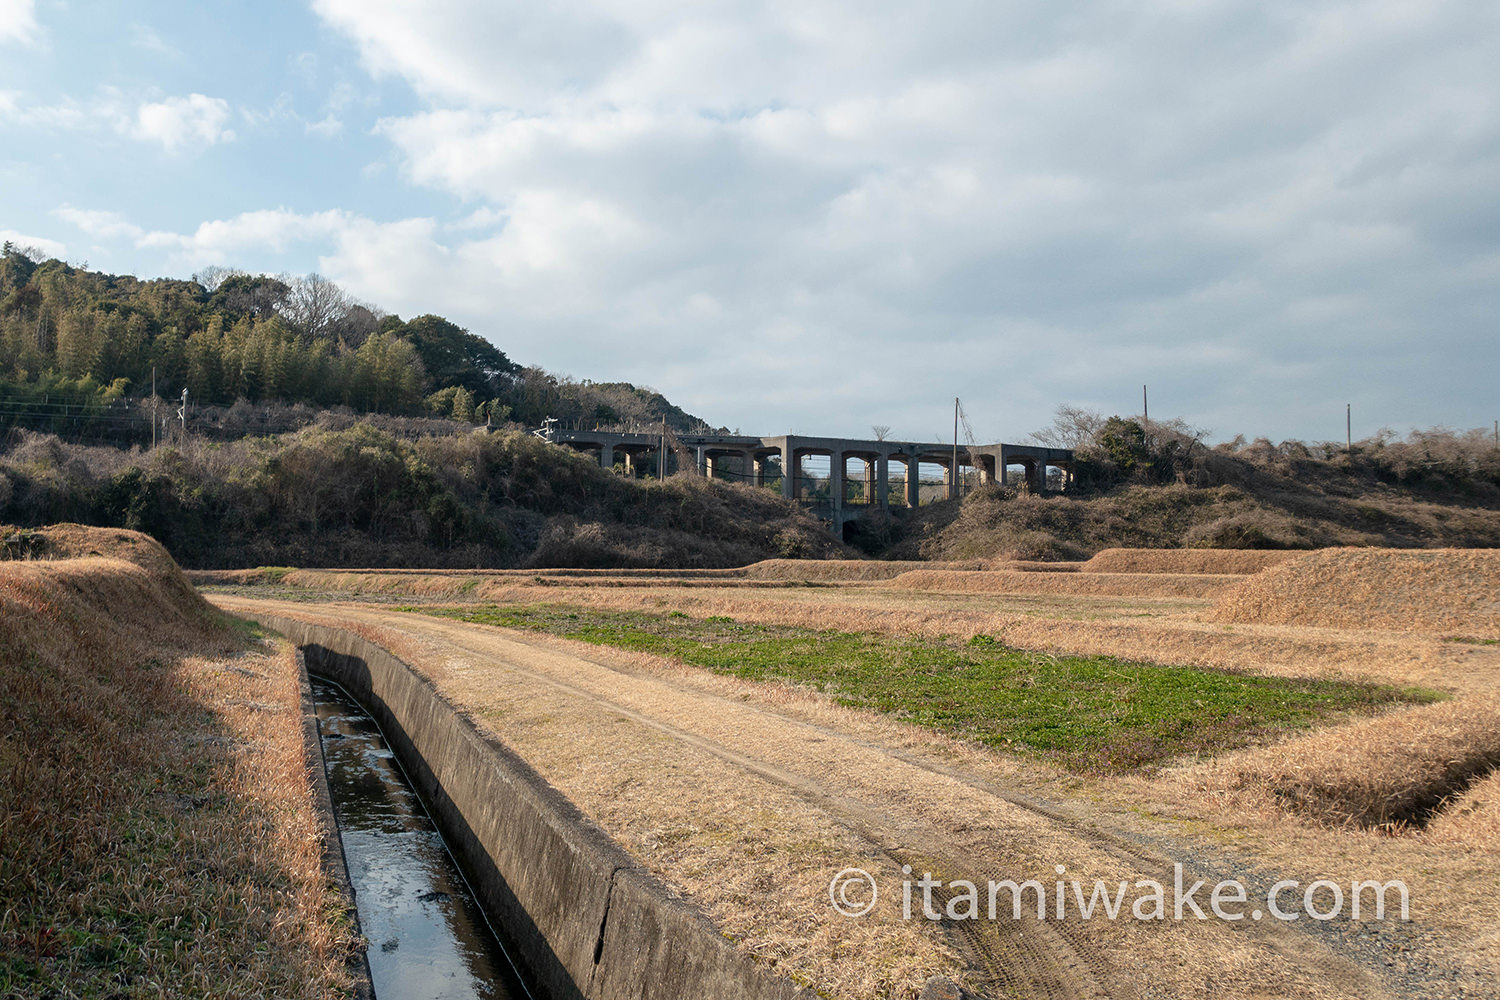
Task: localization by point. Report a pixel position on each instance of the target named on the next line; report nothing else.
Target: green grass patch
(1087, 713)
(1470, 640)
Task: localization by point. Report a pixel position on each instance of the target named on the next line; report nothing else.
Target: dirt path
(749, 798)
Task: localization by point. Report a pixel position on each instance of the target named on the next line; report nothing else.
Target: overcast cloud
(820, 216)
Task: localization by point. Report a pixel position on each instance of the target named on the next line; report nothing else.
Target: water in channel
(428, 937)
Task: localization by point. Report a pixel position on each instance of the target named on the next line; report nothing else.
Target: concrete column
(755, 469)
(702, 461)
(869, 461)
(710, 466)
(629, 465)
(836, 470)
(883, 481)
(1036, 475)
(913, 482)
(606, 457)
(789, 471)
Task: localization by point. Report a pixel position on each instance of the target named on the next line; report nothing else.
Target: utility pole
(182, 416)
(954, 473)
(153, 407)
(1145, 407)
(1348, 429)
(661, 471)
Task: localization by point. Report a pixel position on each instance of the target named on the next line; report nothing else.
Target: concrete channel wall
(581, 917)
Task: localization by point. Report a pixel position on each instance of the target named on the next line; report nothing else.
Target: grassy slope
(157, 835)
(1307, 504)
(1087, 713)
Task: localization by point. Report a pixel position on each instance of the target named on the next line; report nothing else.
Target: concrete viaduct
(838, 496)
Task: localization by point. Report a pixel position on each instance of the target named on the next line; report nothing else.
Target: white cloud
(66, 113)
(18, 21)
(195, 120)
(1187, 194)
(1006, 201)
(248, 235)
(100, 224)
(52, 248)
(146, 39)
(328, 127)
(483, 52)
(242, 240)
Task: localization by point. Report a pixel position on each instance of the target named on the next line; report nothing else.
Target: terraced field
(748, 734)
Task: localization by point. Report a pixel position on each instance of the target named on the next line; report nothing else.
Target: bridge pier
(754, 454)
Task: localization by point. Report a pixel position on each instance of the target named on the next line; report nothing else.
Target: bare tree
(31, 253)
(314, 305)
(356, 325)
(214, 275)
(880, 431)
(1072, 427)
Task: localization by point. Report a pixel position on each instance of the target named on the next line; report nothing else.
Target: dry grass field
(1403, 792)
(1212, 561)
(157, 830)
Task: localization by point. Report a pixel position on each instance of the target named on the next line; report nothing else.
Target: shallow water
(428, 937)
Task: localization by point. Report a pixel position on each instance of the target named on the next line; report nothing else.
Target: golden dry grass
(754, 855)
(1428, 589)
(157, 825)
(844, 569)
(1009, 582)
(1471, 818)
(755, 846)
(1343, 801)
(1394, 771)
(1216, 561)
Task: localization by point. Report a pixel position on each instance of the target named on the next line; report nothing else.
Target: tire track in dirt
(1033, 957)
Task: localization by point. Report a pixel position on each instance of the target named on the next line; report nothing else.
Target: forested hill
(77, 346)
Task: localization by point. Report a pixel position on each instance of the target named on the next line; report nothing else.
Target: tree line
(73, 342)
(331, 494)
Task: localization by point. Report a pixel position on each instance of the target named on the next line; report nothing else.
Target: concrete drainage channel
(428, 935)
(581, 918)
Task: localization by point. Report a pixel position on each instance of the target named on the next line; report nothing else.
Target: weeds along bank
(1248, 499)
(359, 496)
(156, 822)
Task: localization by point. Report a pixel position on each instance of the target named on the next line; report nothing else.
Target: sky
(811, 216)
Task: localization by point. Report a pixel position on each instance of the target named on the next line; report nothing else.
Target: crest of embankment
(1402, 589)
(156, 831)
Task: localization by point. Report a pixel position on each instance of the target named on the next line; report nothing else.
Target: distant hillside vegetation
(1156, 485)
(78, 351)
(357, 495)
